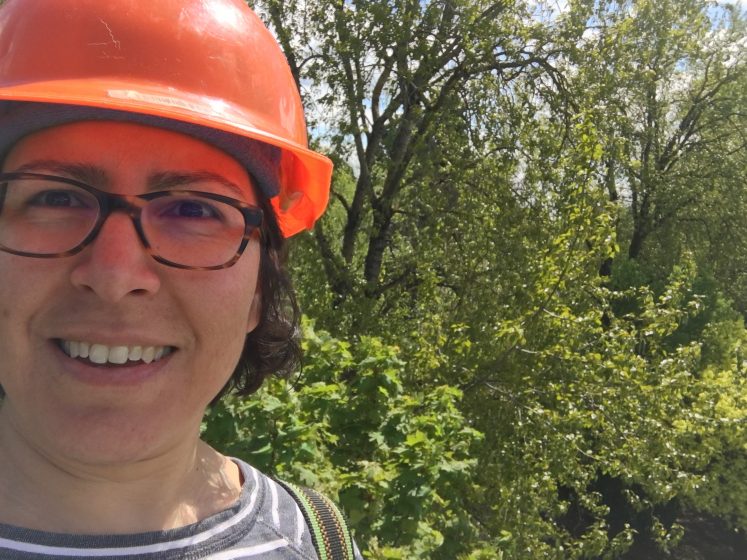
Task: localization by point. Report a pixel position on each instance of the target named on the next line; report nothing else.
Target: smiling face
(118, 304)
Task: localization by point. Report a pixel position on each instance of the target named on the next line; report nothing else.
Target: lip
(109, 375)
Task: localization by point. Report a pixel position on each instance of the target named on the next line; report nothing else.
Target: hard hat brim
(304, 174)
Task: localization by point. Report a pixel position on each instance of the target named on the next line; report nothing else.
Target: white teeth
(102, 354)
(99, 354)
(149, 353)
(136, 354)
(118, 354)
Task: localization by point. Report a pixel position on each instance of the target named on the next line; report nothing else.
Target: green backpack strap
(329, 530)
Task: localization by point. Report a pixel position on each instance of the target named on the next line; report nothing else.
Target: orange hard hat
(207, 67)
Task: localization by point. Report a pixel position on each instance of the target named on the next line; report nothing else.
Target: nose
(116, 264)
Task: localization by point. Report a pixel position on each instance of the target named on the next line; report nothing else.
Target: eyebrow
(83, 172)
(170, 179)
(98, 177)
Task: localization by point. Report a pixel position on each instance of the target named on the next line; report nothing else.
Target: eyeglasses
(46, 216)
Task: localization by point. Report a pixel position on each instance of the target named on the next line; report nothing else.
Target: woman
(154, 157)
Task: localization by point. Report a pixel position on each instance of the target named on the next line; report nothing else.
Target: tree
(528, 204)
(381, 77)
(664, 80)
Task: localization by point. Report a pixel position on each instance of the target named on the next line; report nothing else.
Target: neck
(175, 488)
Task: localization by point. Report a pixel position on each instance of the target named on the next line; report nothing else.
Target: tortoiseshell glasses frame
(132, 205)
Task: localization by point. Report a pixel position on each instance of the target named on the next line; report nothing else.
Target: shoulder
(278, 515)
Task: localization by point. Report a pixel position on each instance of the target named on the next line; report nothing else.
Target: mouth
(103, 354)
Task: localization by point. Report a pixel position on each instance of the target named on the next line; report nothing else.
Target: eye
(58, 199)
(191, 208)
(195, 209)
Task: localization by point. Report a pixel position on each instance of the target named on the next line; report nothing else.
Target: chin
(106, 437)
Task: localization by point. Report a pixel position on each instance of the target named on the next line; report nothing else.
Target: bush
(398, 462)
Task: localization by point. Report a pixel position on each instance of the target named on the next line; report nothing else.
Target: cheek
(223, 330)
(22, 290)
(217, 350)
(225, 306)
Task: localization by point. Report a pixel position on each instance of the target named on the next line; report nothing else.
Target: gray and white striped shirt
(265, 523)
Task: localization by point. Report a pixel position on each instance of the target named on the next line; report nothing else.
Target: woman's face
(114, 295)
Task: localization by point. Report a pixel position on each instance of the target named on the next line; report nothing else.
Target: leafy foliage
(536, 234)
(397, 462)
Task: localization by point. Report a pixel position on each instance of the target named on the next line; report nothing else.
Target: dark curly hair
(273, 347)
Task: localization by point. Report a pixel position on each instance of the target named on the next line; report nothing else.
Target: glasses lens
(45, 216)
(192, 229)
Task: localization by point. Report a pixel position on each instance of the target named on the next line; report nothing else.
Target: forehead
(125, 153)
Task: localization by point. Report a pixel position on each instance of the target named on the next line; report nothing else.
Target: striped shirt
(264, 523)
